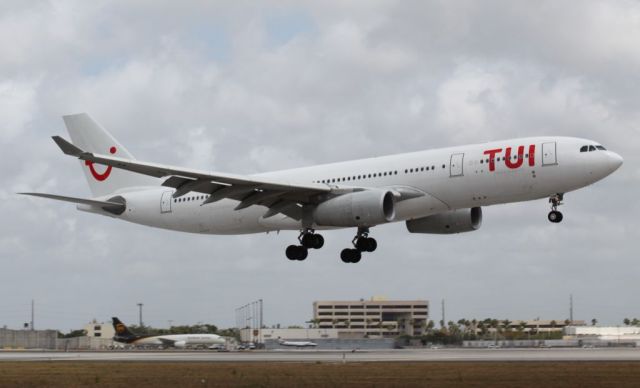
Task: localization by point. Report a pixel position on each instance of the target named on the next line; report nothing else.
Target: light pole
(140, 314)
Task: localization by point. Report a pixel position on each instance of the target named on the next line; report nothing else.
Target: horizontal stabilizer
(110, 206)
(67, 147)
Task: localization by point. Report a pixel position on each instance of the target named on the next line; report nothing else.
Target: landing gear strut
(308, 240)
(554, 215)
(362, 243)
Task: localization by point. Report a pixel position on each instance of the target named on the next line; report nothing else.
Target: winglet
(67, 147)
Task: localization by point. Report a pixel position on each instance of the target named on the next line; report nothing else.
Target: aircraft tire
(349, 255)
(372, 244)
(318, 241)
(345, 255)
(356, 256)
(308, 240)
(291, 252)
(302, 253)
(555, 216)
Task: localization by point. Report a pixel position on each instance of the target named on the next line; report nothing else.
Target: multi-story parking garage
(372, 318)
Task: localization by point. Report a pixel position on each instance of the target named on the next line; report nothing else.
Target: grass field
(440, 374)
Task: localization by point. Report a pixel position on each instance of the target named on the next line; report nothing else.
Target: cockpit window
(584, 148)
(601, 148)
(592, 148)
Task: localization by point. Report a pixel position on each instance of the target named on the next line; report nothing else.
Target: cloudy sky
(248, 87)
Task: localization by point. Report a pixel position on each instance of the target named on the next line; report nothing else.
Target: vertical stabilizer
(122, 331)
(90, 136)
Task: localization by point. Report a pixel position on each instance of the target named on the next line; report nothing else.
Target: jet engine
(180, 344)
(360, 208)
(454, 221)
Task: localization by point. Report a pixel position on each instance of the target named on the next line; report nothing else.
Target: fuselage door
(165, 202)
(549, 154)
(455, 167)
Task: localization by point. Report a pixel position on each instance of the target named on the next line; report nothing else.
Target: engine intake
(455, 221)
(361, 208)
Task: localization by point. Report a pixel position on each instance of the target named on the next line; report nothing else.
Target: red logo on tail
(106, 173)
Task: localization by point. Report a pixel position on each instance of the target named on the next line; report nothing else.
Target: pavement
(396, 355)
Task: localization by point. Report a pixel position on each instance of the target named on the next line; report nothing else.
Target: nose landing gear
(362, 243)
(308, 240)
(554, 215)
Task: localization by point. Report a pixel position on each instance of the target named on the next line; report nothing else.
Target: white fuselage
(298, 344)
(181, 340)
(450, 178)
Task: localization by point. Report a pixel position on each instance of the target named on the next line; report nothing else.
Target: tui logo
(96, 175)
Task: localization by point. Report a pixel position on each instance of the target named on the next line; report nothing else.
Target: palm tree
(627, 321)
(594, 322)
(430, 326)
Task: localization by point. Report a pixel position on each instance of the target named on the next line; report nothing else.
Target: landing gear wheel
(350, 255)
(311, 240)
(318, 241)
(366, 244)
(291, 252)
(555, 216)
(372, 244)
(296, 252)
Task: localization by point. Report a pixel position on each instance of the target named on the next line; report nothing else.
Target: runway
(400, 355)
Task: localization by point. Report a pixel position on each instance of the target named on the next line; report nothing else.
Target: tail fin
(90, 136)
(122, 332)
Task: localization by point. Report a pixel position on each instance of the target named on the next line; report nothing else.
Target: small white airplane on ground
(168, 340)
(435, 191)
(297, 344)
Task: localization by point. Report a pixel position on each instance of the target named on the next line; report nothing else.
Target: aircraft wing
(278, 196)
(166, 341)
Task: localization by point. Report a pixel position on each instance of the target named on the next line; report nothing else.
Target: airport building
(629, 334)
(374, 318)
(99, 330)
(533, 325)
(266, 334)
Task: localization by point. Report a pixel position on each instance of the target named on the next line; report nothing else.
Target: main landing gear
(308, 240)
(554, 215)
(362, 243)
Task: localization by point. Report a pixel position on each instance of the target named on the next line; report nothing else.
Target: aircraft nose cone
(615, 161)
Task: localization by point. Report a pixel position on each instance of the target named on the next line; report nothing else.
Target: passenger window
(584, 148)
(592, 148)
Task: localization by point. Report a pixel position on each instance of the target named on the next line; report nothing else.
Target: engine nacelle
(180, 344)
(455, 221)
(360, 208)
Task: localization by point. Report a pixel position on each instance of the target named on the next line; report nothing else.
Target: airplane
(124, 335)
(438, 191)
(297, 344)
